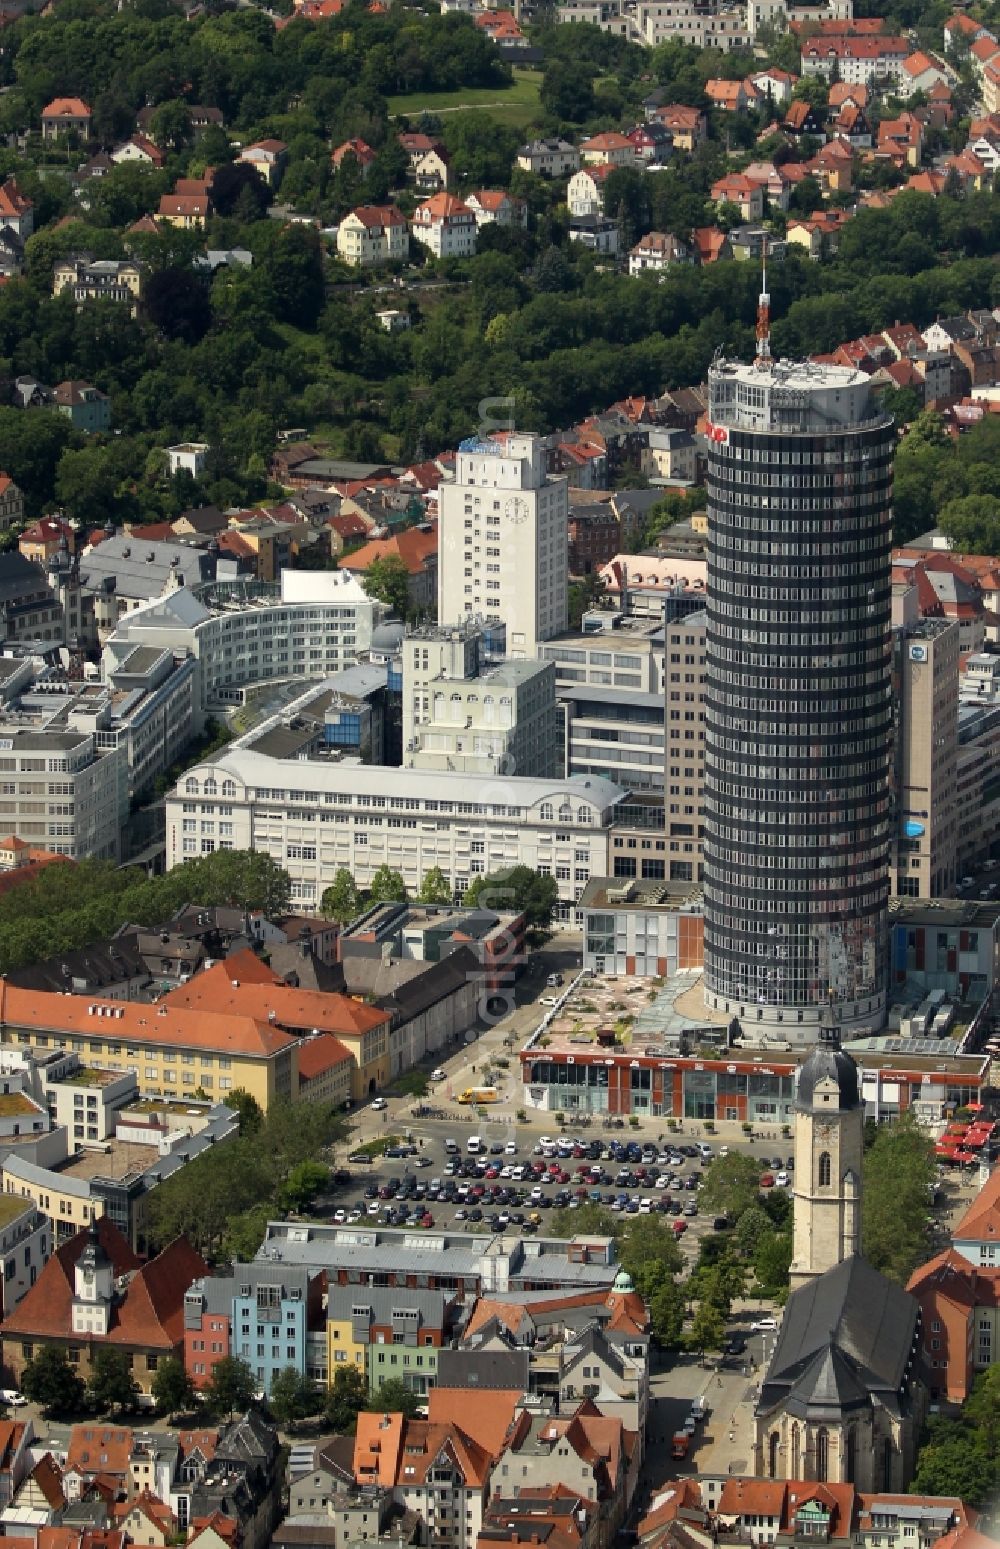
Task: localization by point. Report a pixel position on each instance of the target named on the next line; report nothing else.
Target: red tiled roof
(413, 547)
(318, 1055)
(95, 1449)
(66, 107)
(150, 1313)
(222, 992)
(377, 215)
(486, 1423)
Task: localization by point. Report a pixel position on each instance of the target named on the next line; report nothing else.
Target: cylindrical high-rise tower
(797, 713)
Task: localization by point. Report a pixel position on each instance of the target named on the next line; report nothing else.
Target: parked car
(763, 1325)
(378, 1103)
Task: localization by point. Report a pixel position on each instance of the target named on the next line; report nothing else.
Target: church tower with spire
(829, 1145)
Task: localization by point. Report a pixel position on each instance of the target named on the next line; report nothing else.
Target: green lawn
(516, 105)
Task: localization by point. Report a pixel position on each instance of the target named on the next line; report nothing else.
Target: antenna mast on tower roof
(763, 357)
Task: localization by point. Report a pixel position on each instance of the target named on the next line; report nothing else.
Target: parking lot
(486, 1178)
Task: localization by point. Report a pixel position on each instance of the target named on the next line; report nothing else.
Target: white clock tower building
(502, 541)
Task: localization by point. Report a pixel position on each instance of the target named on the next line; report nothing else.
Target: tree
(521, 888)
(49, 1380)
(111, 1384)
(304, 1182)
(239, 879)
(172, 1388)
(342, 899)
(649, 1250)
(394, 1397)
(179, 304)
(170, 125)
(751, 1227)
(292, 1396)
(956, 1460)
(387, 887)
(238, 189)
(248, 1108)
(708, 1328)
(666, 1312)
(232, 1386)
(899, 1170)
(972, 522)
(567, 92)
(388, 580)
(347, 1396)
(731, 1186)
(589, 1220)
(434, 888)
(772, 1261)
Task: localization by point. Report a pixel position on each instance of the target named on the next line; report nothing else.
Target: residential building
(502, 526)
(364, 156)
(17, 211)
(597, 233)
(549, 158)
(582, 1449)
(331, 815)
(29, 609)
(389, 1333)
(66, 115)
(274, 1310)
(373, 235)
(585, 190)
(100, 279)
(188, 212)
(428, 933)
(84, 405)
(208, 1326)
(608, 149)
(436, 1470)
(267, 157)
(79, 1304)
(782, 943)
(492, 206)
(446, 226)
(737, 189)
(138, 149)
(671, 456)
(11, 502)
(857, 60)
(658, 250)
(432, 169)
(26, 1241)
(187, 457)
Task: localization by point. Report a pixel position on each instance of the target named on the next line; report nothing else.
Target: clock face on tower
(516, 509)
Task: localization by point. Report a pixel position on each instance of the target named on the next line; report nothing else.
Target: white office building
(462, 712)
(314, 818)
(503, 547)
(59, 792)
(244, 633)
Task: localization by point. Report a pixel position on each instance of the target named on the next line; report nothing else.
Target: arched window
(211, 788)
(546, 812)
(229, 787)
(566, 813)
(824, 1170)
(191, 787)
(772, 1455)
(585, 815)
(822, 1454)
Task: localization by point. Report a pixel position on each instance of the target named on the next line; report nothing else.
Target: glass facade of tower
(798, 712)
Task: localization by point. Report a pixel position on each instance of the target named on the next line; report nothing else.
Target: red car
(427, 1219)
(767, 1181)
(678, 1228)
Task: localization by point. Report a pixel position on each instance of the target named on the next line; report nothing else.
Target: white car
(379, 1103)
(339, 1217)
(437, 1075)
(373, 1207)
(510, 1149)
(12, 1398)
(763, 1325)
(548, 1000)
(645, 1206)
(781, 1180)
